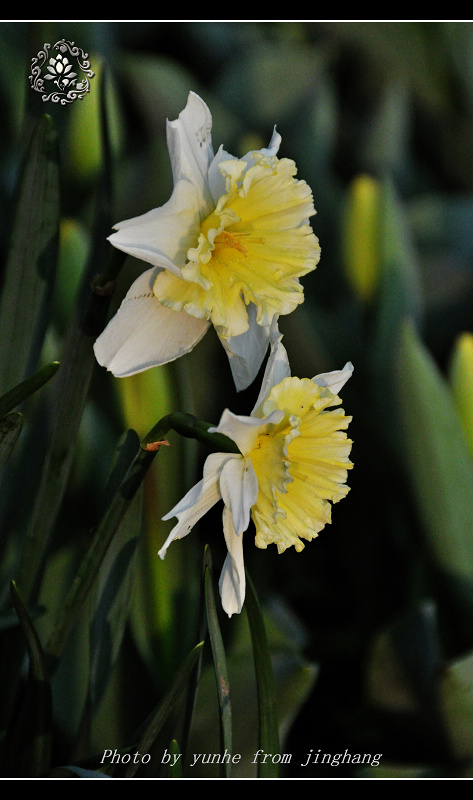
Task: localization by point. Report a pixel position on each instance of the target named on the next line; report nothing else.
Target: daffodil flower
(227, 249)
(292, 465)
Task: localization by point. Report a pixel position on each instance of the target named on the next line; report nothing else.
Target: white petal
(244, 431)
(277, 367)
(335, 380)
(163, 236)
(247, 351)
(197, 501)
(232, 582)
(239, 490)
(189, 141)
(216, 181)
(269, 151)
(145, 334)
(274, 144)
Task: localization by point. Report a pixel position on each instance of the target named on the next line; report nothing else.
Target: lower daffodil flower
(293, 465)
(227, 249)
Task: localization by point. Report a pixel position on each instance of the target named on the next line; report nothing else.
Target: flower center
(228, 239)
(251, 249)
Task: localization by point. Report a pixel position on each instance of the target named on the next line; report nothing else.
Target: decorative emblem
(61, 72)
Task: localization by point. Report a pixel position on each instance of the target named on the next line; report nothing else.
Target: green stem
(192, 428)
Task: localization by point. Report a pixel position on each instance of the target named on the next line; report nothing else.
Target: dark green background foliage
(371, 626)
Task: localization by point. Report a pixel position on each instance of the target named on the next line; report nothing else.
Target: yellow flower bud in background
(361, 240)
(84, 156)
(461, 380)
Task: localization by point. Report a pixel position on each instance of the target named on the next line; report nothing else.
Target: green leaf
(33, 725)
(167, 706)
(404, 664)
(15, 396)
(113, 592)
(439, 467)
(457, 703)
(268, 715)
(437, 457)
(195, 678)
(31, 265)
(112, 518)
(10, 429)
(400, 295)
(461, 381)
(220, 665)
(399, 298)
(71, 390)
(174, 768)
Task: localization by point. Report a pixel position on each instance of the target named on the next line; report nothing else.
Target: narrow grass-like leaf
(113, 592)
(167, 706)
(461, 381)
(399, 297)
(31, 265)
(220, 667)
(71, 390)
(266, 690)
(194, 681)
(33, 726)
(15, 396)
(174, 769)
(400, 294)
(88, 570)
(10, 429)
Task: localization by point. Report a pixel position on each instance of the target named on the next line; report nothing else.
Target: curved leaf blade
(268, 716)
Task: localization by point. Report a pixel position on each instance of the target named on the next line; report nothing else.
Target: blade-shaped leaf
(33, 726)
(167, 706)
(113, 592)
(32, 258)
(220, 666)
(112, 518)
(71, 390)
(456, 692)
(437, 457)
(15, 396)
(10, 429)
(268, 716)
(440, 469)
(174, 767)
(400, 295)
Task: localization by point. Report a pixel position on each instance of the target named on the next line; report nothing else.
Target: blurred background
(371, 626)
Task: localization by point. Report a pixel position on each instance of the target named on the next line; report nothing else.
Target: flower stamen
(227, 239)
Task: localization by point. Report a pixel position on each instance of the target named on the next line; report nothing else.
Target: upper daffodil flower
(227, 249)
(292, 465)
